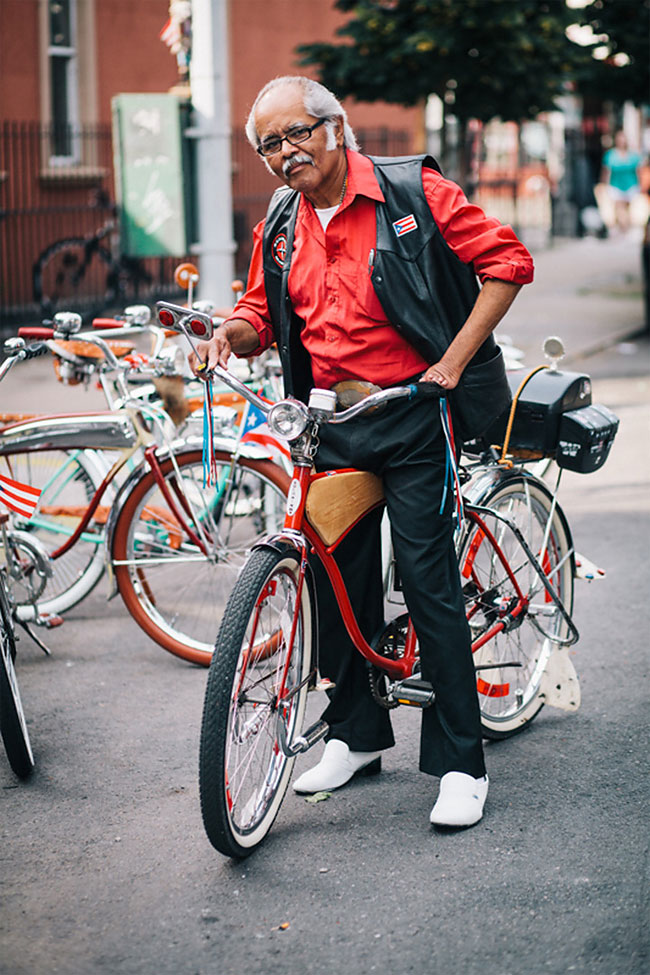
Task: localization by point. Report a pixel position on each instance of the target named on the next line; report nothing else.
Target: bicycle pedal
(414, 692)
(324, 684)
(49, 620)
(304, 741)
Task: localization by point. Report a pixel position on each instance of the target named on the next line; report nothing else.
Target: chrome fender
(230, 445)
(483, 481)
(283, 543)
(97, 431)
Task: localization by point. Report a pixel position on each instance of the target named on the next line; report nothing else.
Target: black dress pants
(404, 444)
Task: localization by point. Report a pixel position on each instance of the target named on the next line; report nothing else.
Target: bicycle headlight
(288, 419)
(171, 360)
(137, 314)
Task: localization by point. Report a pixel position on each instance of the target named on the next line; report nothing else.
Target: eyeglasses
(294, 137)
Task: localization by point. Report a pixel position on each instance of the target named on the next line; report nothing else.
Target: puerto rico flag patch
(405, 225)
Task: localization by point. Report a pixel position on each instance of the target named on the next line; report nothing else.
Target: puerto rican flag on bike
(255, 429)
(21, 498)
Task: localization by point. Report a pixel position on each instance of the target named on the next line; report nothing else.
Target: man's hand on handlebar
(216, 352)
(237, 336)
(441, 374)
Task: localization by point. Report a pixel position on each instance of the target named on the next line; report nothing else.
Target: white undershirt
(326, 214)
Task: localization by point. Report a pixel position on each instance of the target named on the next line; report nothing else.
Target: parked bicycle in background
(23, 560)
(174, 543)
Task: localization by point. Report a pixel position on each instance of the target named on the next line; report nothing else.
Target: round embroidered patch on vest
(279, 249)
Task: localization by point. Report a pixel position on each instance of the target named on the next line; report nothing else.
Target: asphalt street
(104, 865)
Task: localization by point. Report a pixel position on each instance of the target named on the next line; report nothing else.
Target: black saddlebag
(544, 399)
(585, 439)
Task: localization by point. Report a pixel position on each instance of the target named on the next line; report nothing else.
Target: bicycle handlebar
(32, 351)
(109, 326)
(41, 332)
(419, 389)
(20, 355)
(236, 385)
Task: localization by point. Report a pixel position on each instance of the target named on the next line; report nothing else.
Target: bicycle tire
(13, 725)
(66, 273)
(510, 666)
(68, 480)
(243, 771)
(173, 591)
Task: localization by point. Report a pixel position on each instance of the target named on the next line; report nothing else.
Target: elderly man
(365, 270)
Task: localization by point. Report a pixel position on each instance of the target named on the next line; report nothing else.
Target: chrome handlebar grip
(425, 389)
(372, 401)
(238, 387)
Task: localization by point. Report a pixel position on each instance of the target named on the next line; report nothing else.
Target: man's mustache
(296, 161)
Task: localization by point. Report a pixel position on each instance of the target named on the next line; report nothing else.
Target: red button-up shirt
(346, 333)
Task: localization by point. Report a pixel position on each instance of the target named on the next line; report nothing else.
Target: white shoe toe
(337, 766)
(461, 800)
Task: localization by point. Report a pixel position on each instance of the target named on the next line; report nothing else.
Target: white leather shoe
(461, 800)
(336, 767)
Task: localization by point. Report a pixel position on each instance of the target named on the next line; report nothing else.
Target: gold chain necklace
(344, 187)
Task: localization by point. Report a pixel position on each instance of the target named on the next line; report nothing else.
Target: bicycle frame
(299, 533)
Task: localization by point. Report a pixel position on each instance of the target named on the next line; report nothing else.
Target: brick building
(62, 61)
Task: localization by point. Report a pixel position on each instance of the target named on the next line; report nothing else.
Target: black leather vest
(425, 290)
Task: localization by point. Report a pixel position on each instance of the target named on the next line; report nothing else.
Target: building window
(62, 56)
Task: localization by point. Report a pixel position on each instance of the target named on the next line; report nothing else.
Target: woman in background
(621, 173)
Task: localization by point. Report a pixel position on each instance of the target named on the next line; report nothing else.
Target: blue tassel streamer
(451, 468)
(209, 464)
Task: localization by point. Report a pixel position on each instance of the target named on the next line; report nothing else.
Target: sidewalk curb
(624, 334)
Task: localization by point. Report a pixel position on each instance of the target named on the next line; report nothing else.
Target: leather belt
(349, 392)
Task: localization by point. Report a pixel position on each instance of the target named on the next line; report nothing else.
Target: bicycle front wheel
(257, 682)
(510, 665)
(175, 568)
(13, 725)
(68, 481)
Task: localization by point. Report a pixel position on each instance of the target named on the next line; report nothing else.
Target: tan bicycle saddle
(81, 354)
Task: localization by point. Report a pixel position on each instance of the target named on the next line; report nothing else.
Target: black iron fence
(59, 237)
(59, 242)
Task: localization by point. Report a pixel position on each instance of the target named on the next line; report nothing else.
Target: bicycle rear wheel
(13, 726)
(73, 272)
(243, 771)
(68, 480)
(511, 664)
(174, 588)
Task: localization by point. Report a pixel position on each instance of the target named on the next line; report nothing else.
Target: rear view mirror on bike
(190, 322)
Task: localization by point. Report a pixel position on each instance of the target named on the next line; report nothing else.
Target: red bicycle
(517, 564)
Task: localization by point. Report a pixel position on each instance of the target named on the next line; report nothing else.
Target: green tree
(622, 39)
(486, 58)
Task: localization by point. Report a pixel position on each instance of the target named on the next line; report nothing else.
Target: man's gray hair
(318, 101)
